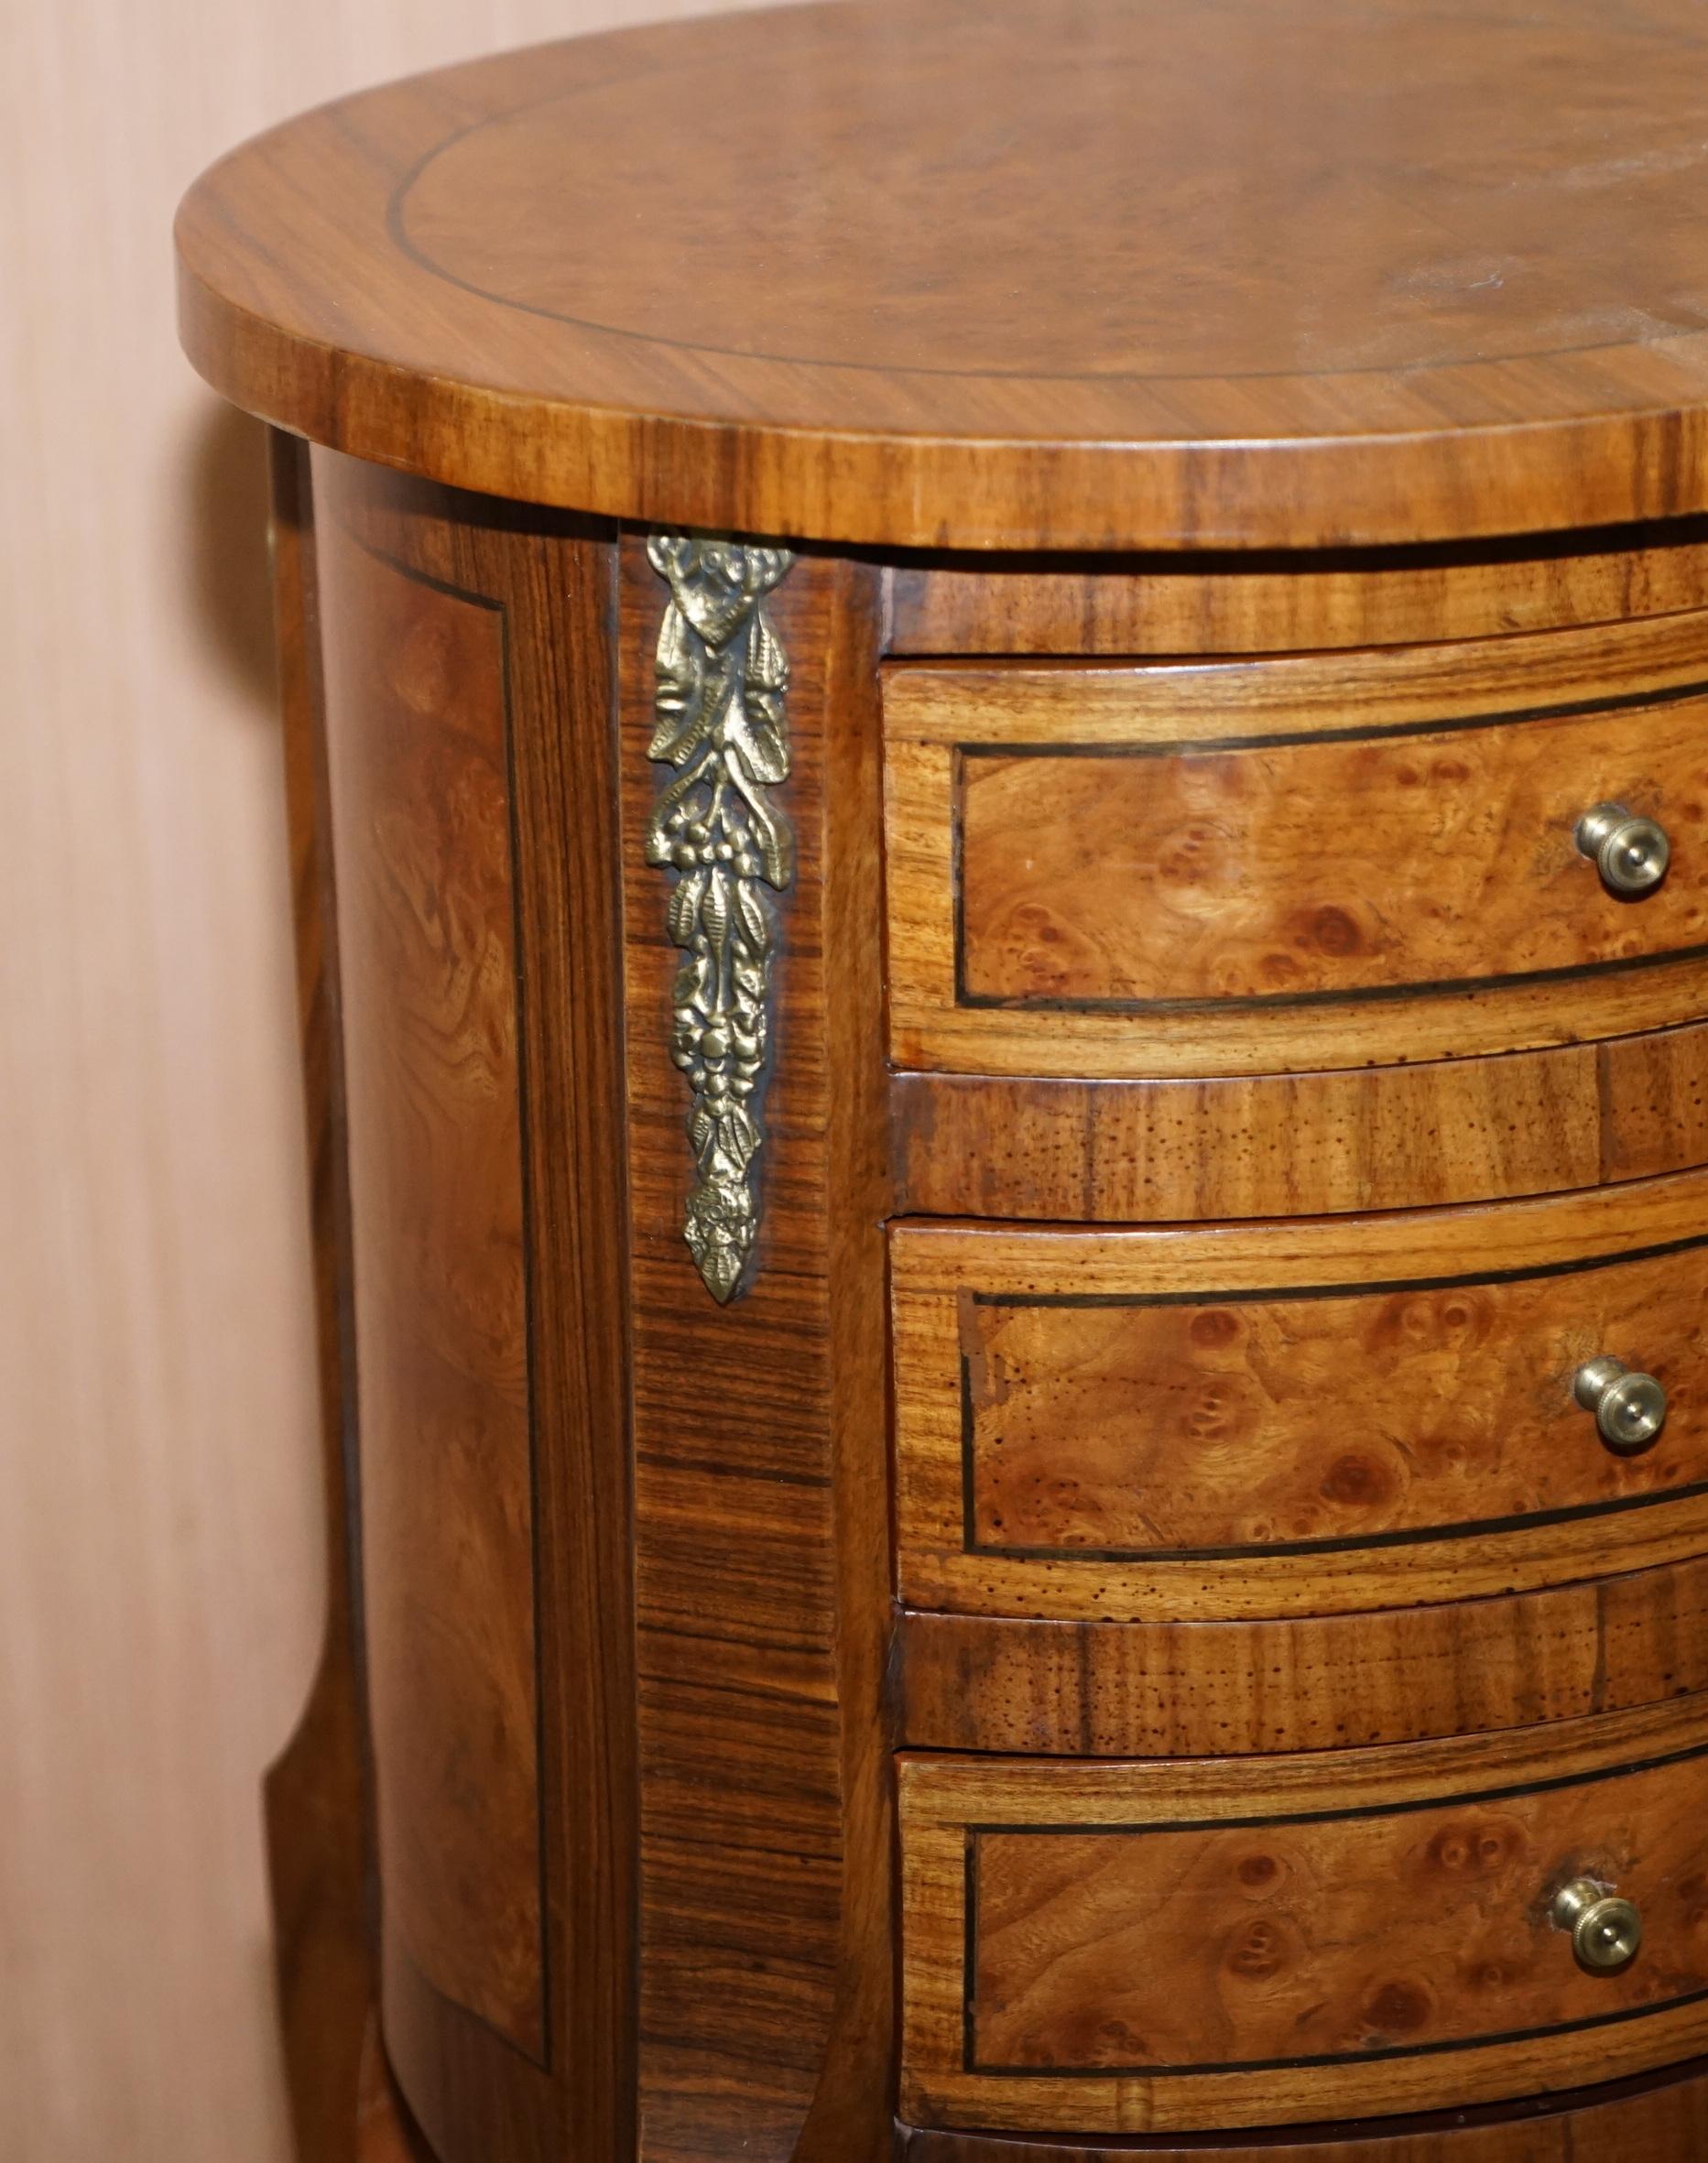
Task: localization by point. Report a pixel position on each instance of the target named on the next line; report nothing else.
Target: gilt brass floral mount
(722, 724)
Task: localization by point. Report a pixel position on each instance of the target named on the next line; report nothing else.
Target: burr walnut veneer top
(1099, 274)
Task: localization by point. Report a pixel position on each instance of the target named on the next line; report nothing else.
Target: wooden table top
(1080, 274)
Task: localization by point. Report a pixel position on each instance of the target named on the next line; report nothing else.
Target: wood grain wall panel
(422, 810)
(739, 1445)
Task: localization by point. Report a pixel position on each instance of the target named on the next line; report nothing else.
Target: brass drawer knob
(1631, 853)
(1605, 1931)
(1630, 1409)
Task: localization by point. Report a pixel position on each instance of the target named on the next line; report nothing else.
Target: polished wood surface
(557, 581)
(1182, 1423)
(735, 1874)
(551, 582)
(1067, 273)
(1252, 600)
(761, 1516)
(1205, 881)
(1149, 1672)
(1142, 1948)
(318, 1798)
(422, 814)
(1302, 1914)
(1302, 1682)
(381, 2124)
(1276, 1145)
(1128, 872)
(1661, 2118)
(847, 2123)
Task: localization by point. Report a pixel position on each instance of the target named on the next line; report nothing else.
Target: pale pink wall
(160, 1571)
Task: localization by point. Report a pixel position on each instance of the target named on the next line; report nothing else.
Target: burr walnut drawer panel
(1315, 862)
(1134, 1946)
(1305, 1417)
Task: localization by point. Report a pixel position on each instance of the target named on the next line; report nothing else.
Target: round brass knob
(1630, 1409)
(1631, 853)
(1605, 1931)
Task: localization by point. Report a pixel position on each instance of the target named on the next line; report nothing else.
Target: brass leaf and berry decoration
(721, 722)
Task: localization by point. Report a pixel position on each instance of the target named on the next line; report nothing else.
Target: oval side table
(998, 754)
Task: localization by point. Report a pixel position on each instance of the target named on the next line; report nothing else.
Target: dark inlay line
(1363, 994)
(1408, 1536)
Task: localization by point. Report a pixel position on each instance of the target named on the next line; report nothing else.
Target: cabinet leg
(316, 1796)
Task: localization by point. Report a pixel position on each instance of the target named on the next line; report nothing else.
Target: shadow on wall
(224, 491)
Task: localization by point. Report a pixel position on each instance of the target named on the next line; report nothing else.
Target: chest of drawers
(998, 738)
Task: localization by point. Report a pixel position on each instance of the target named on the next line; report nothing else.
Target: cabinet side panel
(750, 1893)
(561, 580)
(422, 807)
(478, 828)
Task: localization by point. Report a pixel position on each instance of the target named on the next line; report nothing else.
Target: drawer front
(1198, 601)
(1133, 1947)
(1328, 1144)
(1663, 2117)
(1298, 1417)
(1272, 865)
